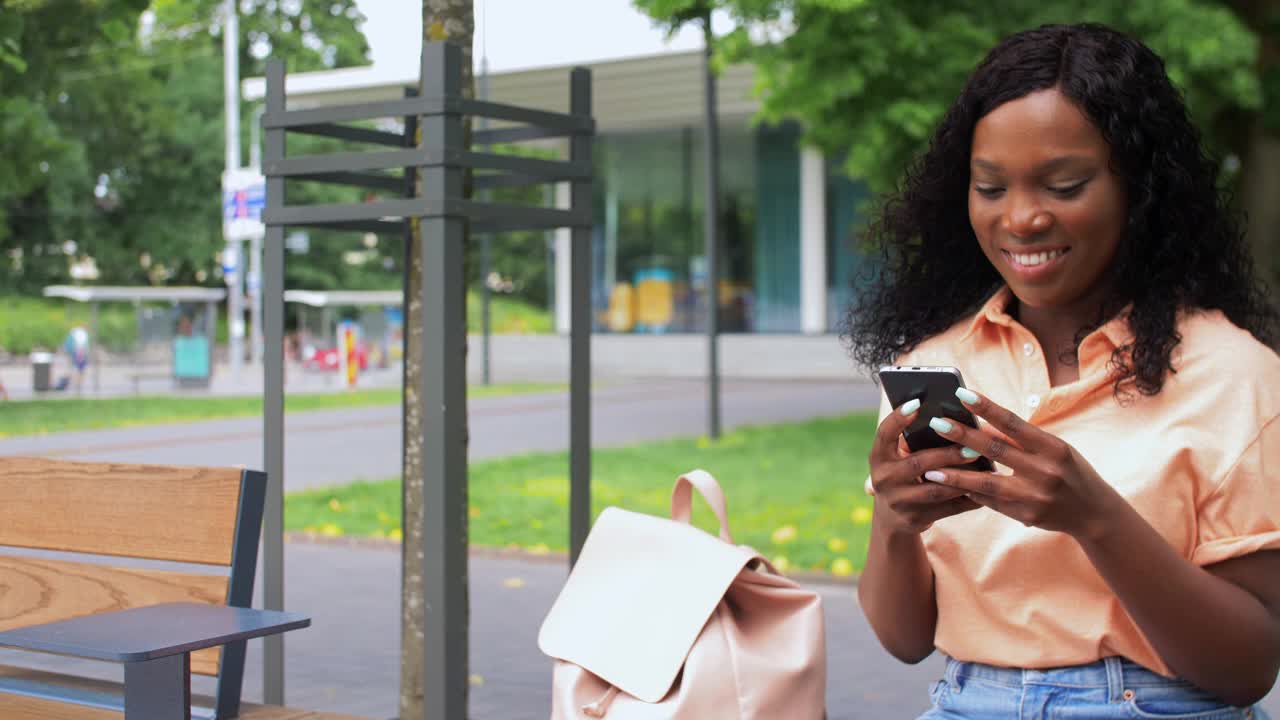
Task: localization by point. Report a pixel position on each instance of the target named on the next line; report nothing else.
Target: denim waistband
(1114, 673)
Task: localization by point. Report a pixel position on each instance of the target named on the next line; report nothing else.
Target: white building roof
(344, 298)
(649, 92)
(106, 293)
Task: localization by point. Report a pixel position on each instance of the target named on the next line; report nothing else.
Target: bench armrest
(152, 632)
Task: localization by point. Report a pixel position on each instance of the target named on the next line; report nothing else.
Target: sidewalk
(340, 446)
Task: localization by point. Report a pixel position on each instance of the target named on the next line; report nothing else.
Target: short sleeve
(1242, 515)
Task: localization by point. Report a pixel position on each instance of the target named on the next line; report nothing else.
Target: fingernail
(940, 425)
(967, 396)
(935, 476)
(910, 406)
(970, 453)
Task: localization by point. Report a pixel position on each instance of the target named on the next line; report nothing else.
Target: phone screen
(935, 388)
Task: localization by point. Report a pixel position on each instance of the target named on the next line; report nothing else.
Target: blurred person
(77, 348)
(1064, 244)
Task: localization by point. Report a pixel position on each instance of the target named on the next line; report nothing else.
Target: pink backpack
(661, 620)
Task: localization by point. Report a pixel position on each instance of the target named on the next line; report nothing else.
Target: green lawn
(794, 491)
(34, 417)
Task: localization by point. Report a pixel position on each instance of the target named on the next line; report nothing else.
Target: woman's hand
(1052, 486)
(911, 504)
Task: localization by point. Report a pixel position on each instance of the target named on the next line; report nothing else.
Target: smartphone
(935, 388)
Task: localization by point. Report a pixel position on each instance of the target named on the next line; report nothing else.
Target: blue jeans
(1110, 689)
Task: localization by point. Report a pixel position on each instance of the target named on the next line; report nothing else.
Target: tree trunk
(1258, 194)
(454, 21)
(1259, 150)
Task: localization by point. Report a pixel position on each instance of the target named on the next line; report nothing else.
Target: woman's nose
(1026, 218)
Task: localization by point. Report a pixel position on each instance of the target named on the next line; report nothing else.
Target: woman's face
(1046, 208)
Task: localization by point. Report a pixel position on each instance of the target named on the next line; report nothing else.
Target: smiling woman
(1063, 243)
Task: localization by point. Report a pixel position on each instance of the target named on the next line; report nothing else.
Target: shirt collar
(995, 311)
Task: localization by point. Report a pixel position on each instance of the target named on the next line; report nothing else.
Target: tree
(1257, 143)
(869, 79)
(113, 137)
(454, 21)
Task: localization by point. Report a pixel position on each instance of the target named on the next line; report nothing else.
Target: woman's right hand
(910, 503)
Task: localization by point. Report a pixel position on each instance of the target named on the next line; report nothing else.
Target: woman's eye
(1067, 191)
(988, 191)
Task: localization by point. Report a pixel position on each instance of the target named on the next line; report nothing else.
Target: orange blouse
(1200, 461)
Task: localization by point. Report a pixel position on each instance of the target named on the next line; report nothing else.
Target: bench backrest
(209, 517)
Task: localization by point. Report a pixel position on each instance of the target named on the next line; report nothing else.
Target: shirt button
(1033, 401)
(1028, 349)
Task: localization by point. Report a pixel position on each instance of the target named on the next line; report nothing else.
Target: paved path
(339, 446)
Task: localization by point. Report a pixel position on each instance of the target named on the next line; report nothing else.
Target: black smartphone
(935, 388)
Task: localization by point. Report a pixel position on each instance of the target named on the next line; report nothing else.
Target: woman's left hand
(1052, 486)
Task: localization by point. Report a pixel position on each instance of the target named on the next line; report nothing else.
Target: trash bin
(41, 369)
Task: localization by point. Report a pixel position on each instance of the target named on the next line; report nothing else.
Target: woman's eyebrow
(1044, 167)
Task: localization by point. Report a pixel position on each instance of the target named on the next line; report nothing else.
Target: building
(788, 215)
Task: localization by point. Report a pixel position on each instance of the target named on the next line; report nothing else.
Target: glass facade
(649, 253)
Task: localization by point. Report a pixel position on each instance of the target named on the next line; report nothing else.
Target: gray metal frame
(244, 569)
(439, 161)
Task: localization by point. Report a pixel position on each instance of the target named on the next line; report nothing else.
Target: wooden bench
(57, 520)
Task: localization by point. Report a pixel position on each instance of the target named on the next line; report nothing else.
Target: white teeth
(1034, 259)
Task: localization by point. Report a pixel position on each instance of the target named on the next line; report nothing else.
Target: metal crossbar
(425, 171)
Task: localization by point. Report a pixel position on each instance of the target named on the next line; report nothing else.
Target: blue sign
(244, 204)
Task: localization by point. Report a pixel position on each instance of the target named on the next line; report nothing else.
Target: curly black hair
(1183, 248)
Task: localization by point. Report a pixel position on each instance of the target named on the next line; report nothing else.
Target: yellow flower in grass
(837, 545)
(330, 530)
(473, 512)
(384, 518)
(335, 505)
(703, 442)
(784, 535)
(396, 534)
(841, 567)
(781, 563)
(861, 515)
(539, 549)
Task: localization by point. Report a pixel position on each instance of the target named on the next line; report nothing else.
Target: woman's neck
(1058, 328)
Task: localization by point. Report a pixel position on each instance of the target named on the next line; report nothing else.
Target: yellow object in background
(621, 308)
(655, 301)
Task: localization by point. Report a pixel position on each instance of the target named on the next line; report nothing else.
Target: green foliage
(869, 79)
(28, 324)
(111, 126)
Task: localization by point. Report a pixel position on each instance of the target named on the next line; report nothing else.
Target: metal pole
(254, 284)
(273, 398)
(580, 328)
(210, 334)
(443, 398)
(95, 356)
(486, 241)
(231, 102)
(711, 226)
(255, 253)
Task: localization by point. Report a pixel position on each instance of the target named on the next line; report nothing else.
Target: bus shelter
(379, 317)
(181, 320)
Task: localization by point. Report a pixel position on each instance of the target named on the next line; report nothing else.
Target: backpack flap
(640, 594)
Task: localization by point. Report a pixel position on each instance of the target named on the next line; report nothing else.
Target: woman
(1062, 242)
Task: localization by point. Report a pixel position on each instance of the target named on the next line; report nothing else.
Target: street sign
(244, 195)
